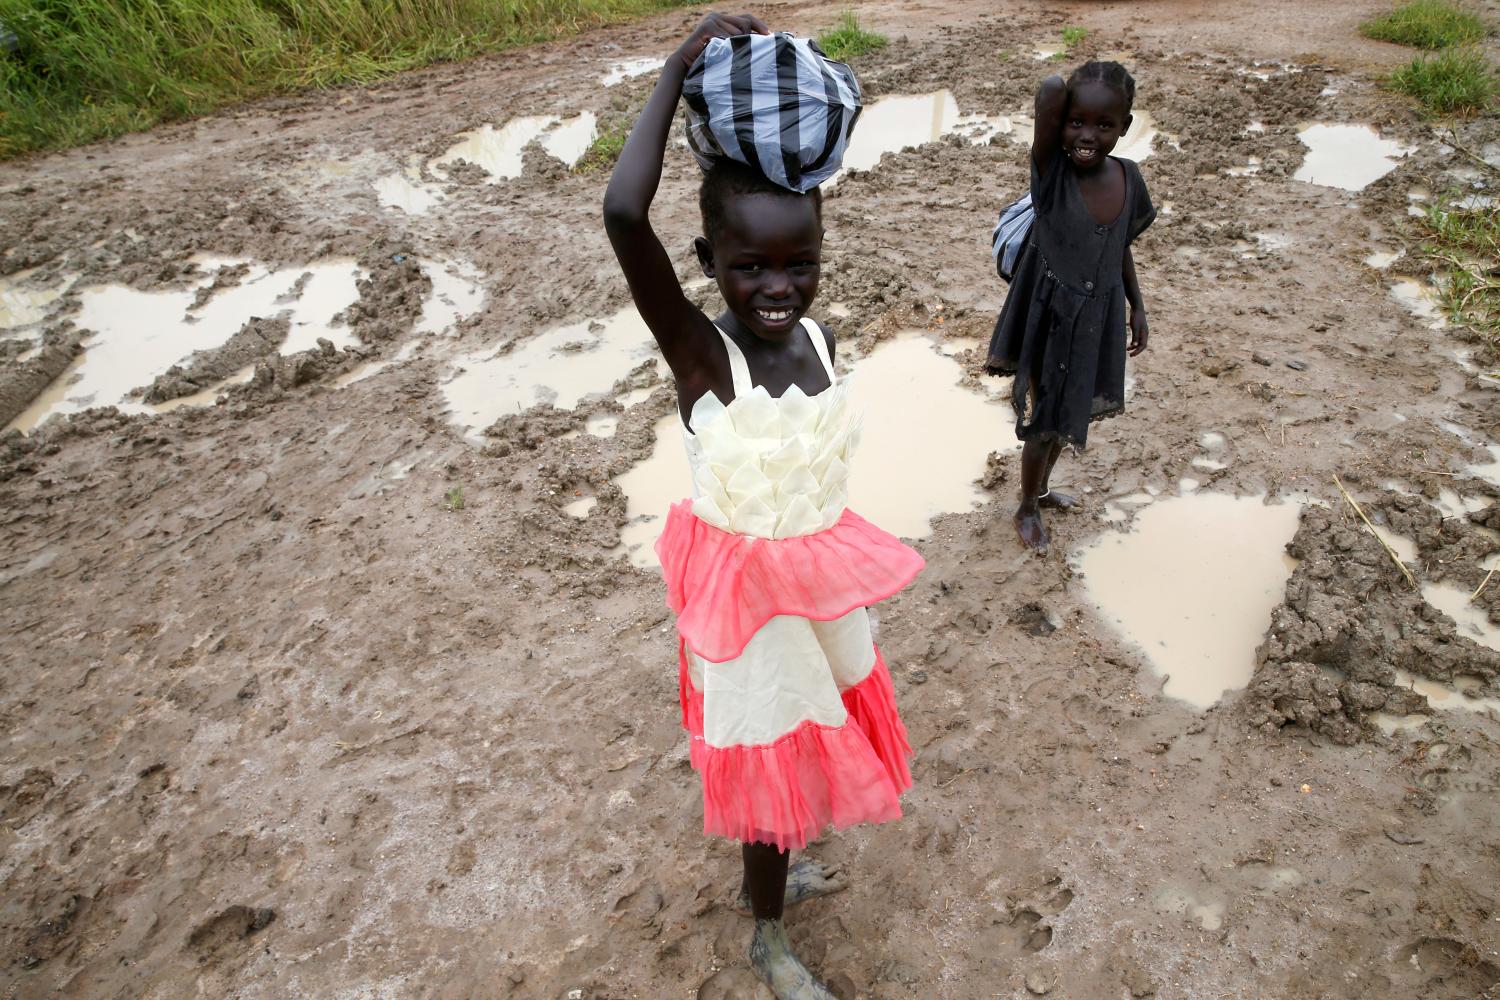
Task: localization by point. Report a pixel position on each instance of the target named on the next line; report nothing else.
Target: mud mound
(254, 341)
(1351, 620)
(22, 382)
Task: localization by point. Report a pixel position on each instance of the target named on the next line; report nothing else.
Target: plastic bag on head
(772, 102)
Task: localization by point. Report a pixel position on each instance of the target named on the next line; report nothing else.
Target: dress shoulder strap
(739, 369)
(820, 344)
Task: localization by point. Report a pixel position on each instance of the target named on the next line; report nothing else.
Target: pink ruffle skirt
(814, 765)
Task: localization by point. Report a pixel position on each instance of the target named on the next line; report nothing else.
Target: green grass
(1464, 243)
(1452, 82)
(604, 150)
(847, 39)
(454, 499)
(1071, 36)
(94, 68)
(1426, 24)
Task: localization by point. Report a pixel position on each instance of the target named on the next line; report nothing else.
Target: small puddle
(560, 366)
(498, 150)
(1382, 259)
(580, 508)
(624, 69)
(1420, 299)
(1193, 584)
(1472, 620)
(138, 335)
(21, 304)
(456, 295)
(407, 191)
(1350, 157)
(903, 445)
(1251, 168)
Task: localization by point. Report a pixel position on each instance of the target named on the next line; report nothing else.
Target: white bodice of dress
(772, 467)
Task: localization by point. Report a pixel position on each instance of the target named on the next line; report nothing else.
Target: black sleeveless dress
(1062, 330)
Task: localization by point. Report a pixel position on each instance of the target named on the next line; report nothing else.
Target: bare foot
(804, 880)
(1057, 501)
(1030, 530)
(772, 959)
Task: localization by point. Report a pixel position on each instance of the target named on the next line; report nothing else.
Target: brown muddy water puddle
(624, 69)
(561, 366)
(136, 336)
(917, 430)
(1350, 157)
(1193, 583)
(498, 150)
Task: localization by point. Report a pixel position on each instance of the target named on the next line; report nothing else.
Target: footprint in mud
(1433, 962)
(225, 932)
(641, 908)
(1029, 929)
(734, 983)
(1034, 620)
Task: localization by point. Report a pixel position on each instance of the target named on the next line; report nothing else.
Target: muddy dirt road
(358, 683)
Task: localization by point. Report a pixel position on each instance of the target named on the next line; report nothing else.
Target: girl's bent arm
(1051, 105)
(673, 320)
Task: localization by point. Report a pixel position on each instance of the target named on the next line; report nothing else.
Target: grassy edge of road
(79, 70)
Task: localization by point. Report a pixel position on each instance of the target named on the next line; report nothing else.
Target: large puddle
(905, 121)
(136, 336)
(498, 150)
(22, 304)
(560, 366)
(1347, 156)
(1193, 584)
(924, 443)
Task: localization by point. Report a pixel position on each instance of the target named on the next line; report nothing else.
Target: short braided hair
(1109, 73)
(729, 178)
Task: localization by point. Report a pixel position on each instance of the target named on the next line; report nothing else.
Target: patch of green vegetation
(86, 69)
(1453, 82)
(1071, 36)
(847, 39)
(454, 498)
(1464, 242)
(1426, 24)
(604, 150)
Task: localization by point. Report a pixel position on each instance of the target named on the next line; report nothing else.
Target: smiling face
(766, 259)
(1097, 117)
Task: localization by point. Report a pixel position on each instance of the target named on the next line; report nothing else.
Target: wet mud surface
(318, 691)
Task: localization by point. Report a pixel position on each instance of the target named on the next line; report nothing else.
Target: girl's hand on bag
(1138, 332)
(718, 26)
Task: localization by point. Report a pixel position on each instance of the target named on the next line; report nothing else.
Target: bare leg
(771, 954)
(805, 879)
(1049, 497)
(1036, 457)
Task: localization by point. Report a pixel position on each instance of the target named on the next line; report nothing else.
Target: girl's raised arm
(632, 186)
(1051, 105)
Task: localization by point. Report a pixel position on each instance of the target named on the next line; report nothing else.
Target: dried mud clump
(257, 339)
(1350, 620)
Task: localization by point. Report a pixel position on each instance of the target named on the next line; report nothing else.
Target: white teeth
(775, 316)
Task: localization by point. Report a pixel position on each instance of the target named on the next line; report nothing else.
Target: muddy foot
(772, 959)
(1030, 530)
(1057, 501)
(804, 880)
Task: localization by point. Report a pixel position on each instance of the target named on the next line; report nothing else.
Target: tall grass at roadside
(92, 68)
(846, 39)
(1464, 241)
(1426, 24)
(1454, 81)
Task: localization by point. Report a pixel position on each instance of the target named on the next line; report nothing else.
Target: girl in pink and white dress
(787, 702)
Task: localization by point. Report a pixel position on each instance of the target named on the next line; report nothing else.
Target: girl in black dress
(1063, 330)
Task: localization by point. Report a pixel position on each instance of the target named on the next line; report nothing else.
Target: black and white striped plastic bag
(773, 102)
